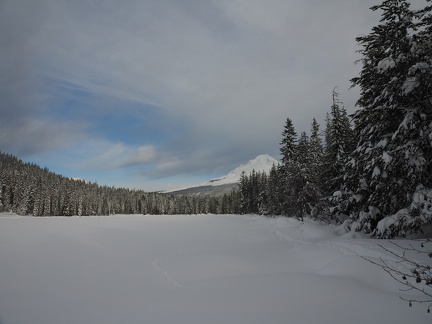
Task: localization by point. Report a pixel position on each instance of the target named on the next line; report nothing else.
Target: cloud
(27, 137)
(222, 74)
(106, 155)
(17, 82)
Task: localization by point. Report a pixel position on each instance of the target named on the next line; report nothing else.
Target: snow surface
(261, 163)
(221, 269)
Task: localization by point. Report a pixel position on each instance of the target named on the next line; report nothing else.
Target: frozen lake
(192, 269)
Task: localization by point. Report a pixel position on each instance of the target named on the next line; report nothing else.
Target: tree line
(28, 189)
(310, 169)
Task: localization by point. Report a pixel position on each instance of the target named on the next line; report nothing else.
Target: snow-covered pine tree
(316, 154)
(288, 151)
(274, 190)
(301, 177)
(305, 178)
(263, 197)
(339, 144)
(245, 193)
(394, 123)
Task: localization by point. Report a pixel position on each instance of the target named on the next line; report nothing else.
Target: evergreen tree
(339, 145)
(274, 191)
(300, 177)
(244, 189)
(394, 124)
(305, 179)
(289, 153)
(288, 143)
(316, 153)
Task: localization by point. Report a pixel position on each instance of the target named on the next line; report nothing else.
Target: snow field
(192, 269)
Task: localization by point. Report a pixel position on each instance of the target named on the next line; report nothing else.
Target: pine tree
(300, 177)
(339, 145)
(316, 153)
(245, 193)
(263, 197)
(289, 153)
(305, 178)
(394, 123)
(274, 191)
(288, 144)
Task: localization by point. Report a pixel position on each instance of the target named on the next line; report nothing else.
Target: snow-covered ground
(192, 269)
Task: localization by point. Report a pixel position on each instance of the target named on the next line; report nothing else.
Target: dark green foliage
(288, 149)
(291, 188)
(316, 155)
(28, 189)
(275, 191)
(304, 181)
(254, 193)
(289, 154)
(394, 124)
(340, 140)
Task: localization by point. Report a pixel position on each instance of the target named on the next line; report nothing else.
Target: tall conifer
(394, 124)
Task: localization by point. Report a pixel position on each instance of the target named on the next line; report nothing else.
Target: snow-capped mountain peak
(261, 163)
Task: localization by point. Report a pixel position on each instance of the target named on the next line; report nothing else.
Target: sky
(159, 94)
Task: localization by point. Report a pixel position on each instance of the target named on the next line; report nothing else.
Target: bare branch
(416, 277)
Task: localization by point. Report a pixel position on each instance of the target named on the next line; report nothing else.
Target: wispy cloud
(26, 137)
(107, 155)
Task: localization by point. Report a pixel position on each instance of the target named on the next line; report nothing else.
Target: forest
(27, 189)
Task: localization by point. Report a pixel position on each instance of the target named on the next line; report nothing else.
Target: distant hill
(224, 184)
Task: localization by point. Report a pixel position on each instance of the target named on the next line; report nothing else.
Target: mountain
(224, 184)
(260, 163)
